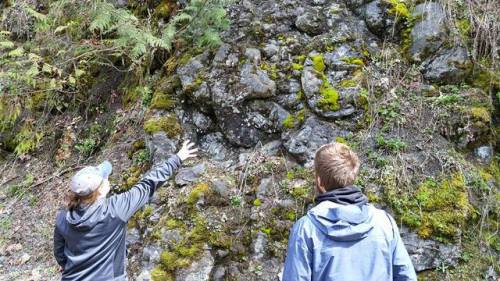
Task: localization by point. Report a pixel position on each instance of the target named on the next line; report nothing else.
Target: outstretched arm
(127, 203)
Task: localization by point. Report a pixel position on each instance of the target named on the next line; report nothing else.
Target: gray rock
(277, 116)
(215, 146)
(375, 18)
(199, 270)
(311, 22)
(189, 72)
(189, 175)
(201, 121)
(302, 144)
(133, 236)
(221, 188)
(151, 253)
(264, 188)
(222, 53)
(311, 85)
(270, 50)
(429, 254)
(240, 127)
(219, 273)
(160, 146)
(253, 55)
(256, 82)
(484, 153)
(170, 236)
(201, 97)
(428, 34)
(272, 148)
(259, 246)
(448, 67)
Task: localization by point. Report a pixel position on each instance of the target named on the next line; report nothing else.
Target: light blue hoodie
(346, 242)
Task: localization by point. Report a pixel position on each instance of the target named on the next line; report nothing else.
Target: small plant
(236, 201)
(393, 144)
(87, 146)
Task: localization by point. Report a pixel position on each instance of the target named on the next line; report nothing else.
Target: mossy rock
(438, 209)
(169, 124)
(162, 101)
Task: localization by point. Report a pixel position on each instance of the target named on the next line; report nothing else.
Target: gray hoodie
(348, 243)
(89, 243)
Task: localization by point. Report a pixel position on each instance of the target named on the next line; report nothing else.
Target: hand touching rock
(187, 150)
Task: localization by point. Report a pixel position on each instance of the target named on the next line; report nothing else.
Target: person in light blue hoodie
(344, 237)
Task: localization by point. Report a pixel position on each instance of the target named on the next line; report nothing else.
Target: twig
(56, 176)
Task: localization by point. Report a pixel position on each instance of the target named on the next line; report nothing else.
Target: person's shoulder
(383, 220)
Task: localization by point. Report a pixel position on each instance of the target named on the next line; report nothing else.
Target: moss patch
(318, 63)
(330, 97)
(168, 124)
(162, 101)
(439, 209)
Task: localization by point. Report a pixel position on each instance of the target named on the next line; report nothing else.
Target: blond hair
(336, 165)
(74, 200)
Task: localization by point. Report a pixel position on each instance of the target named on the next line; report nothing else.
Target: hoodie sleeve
(299, 256)
(402, 266)
(127, 203)
(59, 248)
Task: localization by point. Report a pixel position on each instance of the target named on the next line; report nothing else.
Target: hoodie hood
(342, 222)
(85, 218)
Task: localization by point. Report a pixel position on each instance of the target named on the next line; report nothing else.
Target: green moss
(168, 124)
(341, 140)
(348, 83)
(257, 202)
(158, 274)
(318, 63)
(356, 61)
(464, 27)
(271, 70)
(300, 59)
(330, 97)
(480, 114)
(195, 194)
(289, 122)
(399, 8)
(440, 209)
(162, 101)
(297, 66)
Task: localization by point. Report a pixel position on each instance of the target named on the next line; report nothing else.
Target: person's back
(344, 237)
(89, 236)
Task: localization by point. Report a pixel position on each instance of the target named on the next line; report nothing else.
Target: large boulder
(448, 66)
(429, 32)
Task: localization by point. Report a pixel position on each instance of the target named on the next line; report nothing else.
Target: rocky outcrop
(429, 32)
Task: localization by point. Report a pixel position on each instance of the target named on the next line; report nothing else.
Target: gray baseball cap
(88, 179)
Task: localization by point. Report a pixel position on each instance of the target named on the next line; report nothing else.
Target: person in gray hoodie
(89, 236)
(344, 237)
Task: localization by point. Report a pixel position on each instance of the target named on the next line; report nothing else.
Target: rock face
(314, 133)
(429, 32)
(198, 271)
(449, 66)
(429, 254)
